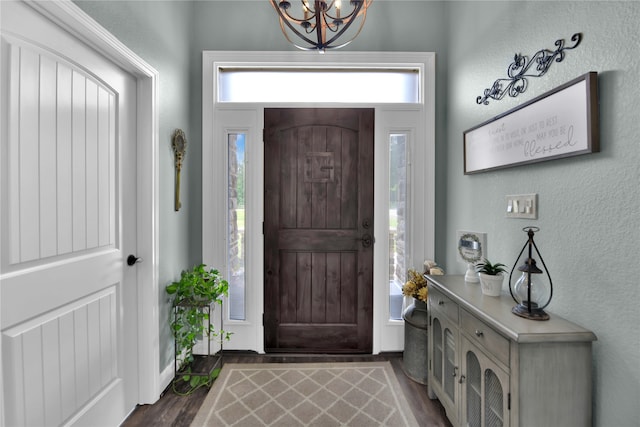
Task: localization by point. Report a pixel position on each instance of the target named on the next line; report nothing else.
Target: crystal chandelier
(318, 25)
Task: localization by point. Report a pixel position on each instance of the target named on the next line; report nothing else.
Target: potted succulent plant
(491, 277)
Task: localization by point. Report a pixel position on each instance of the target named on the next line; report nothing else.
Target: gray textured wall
(589, 206)
(161, 34)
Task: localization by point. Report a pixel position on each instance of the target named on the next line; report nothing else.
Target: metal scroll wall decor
(522, 67)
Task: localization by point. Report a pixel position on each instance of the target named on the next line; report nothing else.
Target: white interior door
(68, 223)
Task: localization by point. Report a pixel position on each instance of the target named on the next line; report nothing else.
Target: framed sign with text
(560, 123)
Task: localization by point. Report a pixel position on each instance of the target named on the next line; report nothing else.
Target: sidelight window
(398, 208)
(236, 225)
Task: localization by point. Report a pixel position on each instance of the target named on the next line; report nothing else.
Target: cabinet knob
(479, 333)
(462, 378)
(440, 302)
(455, 371)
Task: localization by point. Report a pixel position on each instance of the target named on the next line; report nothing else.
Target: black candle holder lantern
(531, 291)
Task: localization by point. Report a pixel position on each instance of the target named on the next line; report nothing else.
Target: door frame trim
(214, 170)
(74, 20)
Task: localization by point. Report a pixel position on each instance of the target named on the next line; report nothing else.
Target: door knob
(132, 259)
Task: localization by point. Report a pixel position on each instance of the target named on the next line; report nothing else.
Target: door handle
(132, 259)
(367, 240)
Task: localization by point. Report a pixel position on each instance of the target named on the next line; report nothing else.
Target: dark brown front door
(318, 230)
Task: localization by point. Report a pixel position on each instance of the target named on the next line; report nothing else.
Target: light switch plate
(522, 206)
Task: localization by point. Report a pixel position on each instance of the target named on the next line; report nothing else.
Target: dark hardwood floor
(177, 411)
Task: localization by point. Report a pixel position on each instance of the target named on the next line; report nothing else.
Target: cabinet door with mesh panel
(444, 375)
(485, 390)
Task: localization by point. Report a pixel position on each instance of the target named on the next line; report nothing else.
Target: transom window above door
(296, 84)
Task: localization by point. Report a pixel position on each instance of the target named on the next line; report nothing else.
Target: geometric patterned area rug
(306, 394)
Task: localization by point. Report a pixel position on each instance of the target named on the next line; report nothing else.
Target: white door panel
(61, 359)
(41, 286)
(68, 162)
(61, 151)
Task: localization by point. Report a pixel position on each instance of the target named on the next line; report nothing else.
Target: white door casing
(220, 118)
(78, 195)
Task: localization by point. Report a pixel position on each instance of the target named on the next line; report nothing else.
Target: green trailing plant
(193, 295)
(487, 267)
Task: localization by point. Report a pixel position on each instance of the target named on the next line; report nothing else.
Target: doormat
(306, 394)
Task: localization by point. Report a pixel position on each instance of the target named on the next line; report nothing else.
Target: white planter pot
(491, 285)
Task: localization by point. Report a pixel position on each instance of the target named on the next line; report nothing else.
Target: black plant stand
(203, 365)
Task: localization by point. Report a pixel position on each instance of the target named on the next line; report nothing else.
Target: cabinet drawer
(443, 304)
(482, 334)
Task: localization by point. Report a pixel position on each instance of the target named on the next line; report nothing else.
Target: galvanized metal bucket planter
(414, 358)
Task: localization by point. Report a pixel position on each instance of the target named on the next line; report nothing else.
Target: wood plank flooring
(178, 411)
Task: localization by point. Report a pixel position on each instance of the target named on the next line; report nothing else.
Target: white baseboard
(166, 376)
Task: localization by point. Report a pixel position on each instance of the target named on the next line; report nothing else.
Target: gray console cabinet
(489, 367)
